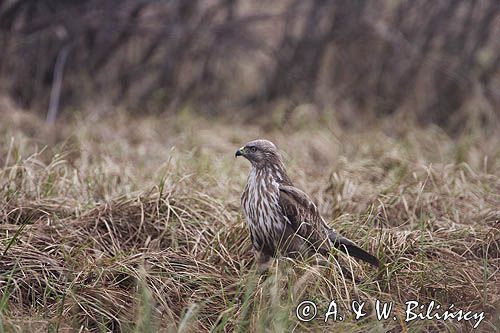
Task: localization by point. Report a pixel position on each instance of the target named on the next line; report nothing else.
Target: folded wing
(305, 222)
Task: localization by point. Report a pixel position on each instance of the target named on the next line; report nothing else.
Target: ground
(115, 222)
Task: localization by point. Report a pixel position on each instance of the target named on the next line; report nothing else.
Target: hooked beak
(239, 152)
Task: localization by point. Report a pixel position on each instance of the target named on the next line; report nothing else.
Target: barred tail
(345, 245)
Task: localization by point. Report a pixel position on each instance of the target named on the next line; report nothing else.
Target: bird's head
(259, 152)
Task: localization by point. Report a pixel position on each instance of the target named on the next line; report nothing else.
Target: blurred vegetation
(435, 61)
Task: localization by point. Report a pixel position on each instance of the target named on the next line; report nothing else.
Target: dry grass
(113, 223)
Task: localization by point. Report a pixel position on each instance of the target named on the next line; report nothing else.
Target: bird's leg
(262, 260)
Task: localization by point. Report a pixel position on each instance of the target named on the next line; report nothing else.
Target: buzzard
(282, 219)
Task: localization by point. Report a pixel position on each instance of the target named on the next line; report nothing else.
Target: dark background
(435, 61)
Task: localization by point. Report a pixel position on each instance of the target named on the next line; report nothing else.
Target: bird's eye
(253, 149)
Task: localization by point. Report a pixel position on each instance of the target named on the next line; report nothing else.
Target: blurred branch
(55, 93)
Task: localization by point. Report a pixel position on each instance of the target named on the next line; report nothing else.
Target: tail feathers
(346, 246)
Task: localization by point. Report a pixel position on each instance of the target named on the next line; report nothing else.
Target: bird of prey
(282, 219)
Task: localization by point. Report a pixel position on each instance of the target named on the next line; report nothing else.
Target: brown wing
(304, 223)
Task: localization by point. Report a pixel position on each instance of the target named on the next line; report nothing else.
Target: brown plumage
(282, 219)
